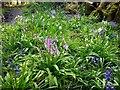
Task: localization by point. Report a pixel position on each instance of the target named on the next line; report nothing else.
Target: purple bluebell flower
(113, 24)
(93, 59)
(69, 16)
(63, 39)
(102, 32)
(18, 72)
(107, 75)
(52, 15)
(49, 43)
(78, 15)
(20, 52)
(93, 31)
(1, 19)
(12, 65)
(112, 88)
(16, 68)
(108, 84)
(14, 23)
(65, 46)
(53, 12)
(97, 59)
(109, 87)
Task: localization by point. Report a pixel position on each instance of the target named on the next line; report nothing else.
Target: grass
(35, 53)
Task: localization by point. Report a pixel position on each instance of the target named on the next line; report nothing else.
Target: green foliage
(23, 42)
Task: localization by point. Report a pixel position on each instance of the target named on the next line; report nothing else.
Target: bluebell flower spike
(107, 75)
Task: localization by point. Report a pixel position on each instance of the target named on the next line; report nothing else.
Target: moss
(9, 4)
(72, 7)
(109, 11)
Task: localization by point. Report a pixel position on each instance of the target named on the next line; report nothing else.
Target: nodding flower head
(93, 59)
(53, 11)
(55, 49)
(97, 59)
(101, 31)
(65, 45)
(20, 52)
(52, 15)
(9, 62)
(93, 31)
(17, 70)
(78, 15)
(109, 87)
(14, 23)
(63, 39)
